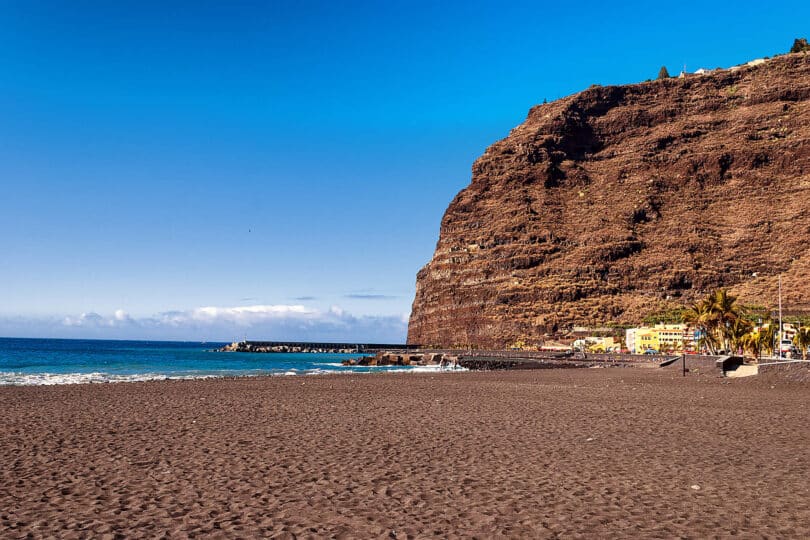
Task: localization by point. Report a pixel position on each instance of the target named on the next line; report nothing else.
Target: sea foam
(47, 379)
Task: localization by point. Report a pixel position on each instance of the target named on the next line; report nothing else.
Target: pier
(320, 347)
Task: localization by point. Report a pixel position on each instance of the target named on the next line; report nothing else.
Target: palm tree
(802, 341)
(752, 342)
(760, 339)
(735, 332)
(671, 347)
(699, 316)
(724, 314)
(767, 335)
(716, 317)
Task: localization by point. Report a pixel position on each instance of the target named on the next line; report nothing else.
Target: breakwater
(504, 359)
(413, 355)
(311, 347)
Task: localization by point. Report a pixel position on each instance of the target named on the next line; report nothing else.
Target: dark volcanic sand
(591, 453)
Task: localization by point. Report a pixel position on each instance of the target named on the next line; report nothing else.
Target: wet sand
(575, 453)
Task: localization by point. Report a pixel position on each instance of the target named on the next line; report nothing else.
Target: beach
(569, 453)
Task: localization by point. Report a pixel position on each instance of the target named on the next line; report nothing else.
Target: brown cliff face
(616, 202)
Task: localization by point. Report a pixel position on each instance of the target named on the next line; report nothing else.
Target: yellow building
(660, 338)
(670, 336)
(604, 344)
(596, 344)
(646, 339)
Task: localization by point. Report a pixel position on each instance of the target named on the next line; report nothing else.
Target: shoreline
(697, 365)
(382, 362)
(597, 452)
(96, 378)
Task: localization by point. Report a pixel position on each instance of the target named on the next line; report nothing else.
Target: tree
(769, 338)
(719, 319)
(802, 341)
(726, 315)
(675, 347)
(664, 74)
(753, 342)
(736, 331)
(800, 45)
(698, 316)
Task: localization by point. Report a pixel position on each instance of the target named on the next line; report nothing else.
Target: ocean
(71, 361)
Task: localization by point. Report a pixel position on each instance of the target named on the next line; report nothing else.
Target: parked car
(788, 349)
(650, 351)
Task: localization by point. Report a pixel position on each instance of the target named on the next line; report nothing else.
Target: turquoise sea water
(66, 361)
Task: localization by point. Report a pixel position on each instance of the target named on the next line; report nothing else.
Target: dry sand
(575, 453)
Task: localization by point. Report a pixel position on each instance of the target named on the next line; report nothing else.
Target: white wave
(426, 369)
(48, 379)
(12, 378)
(411, 369)
(435, 369)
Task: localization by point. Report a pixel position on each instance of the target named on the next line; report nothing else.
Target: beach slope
(593, 452)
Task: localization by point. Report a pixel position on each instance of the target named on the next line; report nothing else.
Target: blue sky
(285, 164)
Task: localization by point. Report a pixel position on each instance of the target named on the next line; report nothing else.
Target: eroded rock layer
(620, 201)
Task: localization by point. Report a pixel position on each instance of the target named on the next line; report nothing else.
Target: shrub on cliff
(666, 316)
(663, 73)
(800, 45)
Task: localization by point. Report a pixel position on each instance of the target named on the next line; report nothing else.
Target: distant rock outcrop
(619, 201)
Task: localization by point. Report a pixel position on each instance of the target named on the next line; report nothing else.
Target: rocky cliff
(616, 202)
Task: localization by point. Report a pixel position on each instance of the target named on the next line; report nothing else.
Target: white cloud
(214, 323)
(249, 314)
(85, 319)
